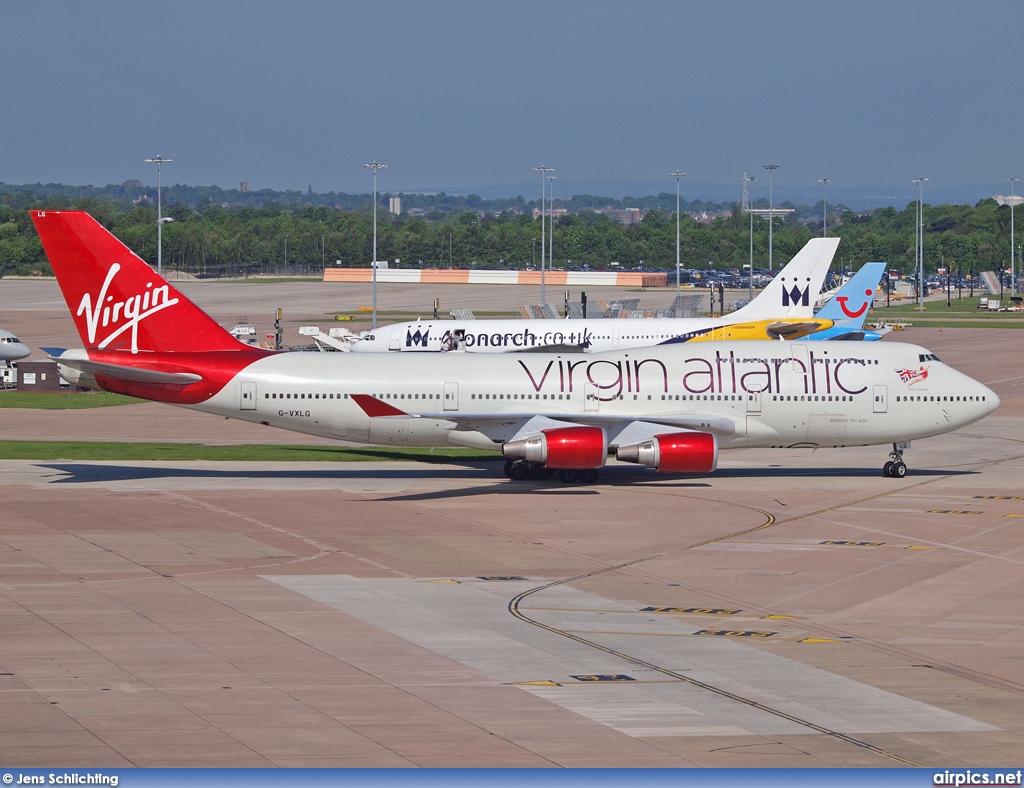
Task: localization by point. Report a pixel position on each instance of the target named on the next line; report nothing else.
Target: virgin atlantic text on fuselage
(725, 374)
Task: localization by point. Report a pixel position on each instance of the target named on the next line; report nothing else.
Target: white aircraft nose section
(11, 349)
(990, 398)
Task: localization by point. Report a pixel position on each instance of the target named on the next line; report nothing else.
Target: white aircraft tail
(795, 288)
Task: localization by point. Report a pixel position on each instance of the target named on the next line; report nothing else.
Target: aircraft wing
(563, 348)
(784, 330)
(509, 426)
(130, 374)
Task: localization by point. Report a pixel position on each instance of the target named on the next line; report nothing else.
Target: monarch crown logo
(418, 339)
(796, 296)
(121, 316)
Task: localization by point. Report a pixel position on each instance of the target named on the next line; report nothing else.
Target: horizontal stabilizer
(792, 330)
(53, 352)
(130, 374)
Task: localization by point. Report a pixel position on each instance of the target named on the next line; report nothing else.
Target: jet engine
(674, 452)
(562, 448)
(74, 376)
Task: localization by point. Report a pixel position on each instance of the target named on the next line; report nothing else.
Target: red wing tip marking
(374, 407)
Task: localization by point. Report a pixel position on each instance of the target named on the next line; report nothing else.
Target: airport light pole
(1013, 261)
(771, 211)
(919, 238)
(677, 174)
(159, 218)
(824, 211)
(543, 193)
(551, 223)
(750, 270)
(374, 166)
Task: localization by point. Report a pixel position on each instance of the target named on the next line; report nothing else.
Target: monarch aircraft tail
(793, 291)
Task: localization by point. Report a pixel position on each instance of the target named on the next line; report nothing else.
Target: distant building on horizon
(395, 205)
(1003, 199)
(244, 187)
(627, 216)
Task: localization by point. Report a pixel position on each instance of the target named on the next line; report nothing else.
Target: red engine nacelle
(562, 448)
(674, 452)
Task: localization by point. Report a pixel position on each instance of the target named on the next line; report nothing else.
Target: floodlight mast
(159, 218)
(551, 222)
(677, 174)
(374, 165)
(543, 193)
(771, 212)
(750, 271)
(824, 210)
(919, 241)
(1013, 260)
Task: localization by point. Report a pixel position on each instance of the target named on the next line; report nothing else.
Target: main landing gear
(895, 468)
(521, 470)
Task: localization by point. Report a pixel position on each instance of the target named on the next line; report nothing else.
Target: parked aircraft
(11, 348)
(671, 408)
(785, 308)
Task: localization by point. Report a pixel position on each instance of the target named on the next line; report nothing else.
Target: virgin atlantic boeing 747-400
(669, 407)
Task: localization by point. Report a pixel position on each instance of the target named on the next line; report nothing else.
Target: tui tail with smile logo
(118, 302)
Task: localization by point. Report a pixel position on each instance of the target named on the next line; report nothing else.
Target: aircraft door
(615, 338)
(451, 396)
(801, 362)
(881, 399)
(753, 402)
(591, 402)
(396, 340)
(247, 395)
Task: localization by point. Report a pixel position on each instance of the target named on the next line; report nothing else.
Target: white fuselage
(750, 394)
(788, 297)
(11, 348)
(503, 336)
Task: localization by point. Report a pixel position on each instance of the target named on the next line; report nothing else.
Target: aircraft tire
(508, 467)
(519, 472)
(538, 472)
(568, 476)
(887, 469)
(589, 476)
(898, 470)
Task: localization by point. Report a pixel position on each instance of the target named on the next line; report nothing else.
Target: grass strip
(251, 452)
(63, 400)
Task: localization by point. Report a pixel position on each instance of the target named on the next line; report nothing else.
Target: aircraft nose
(989, 398)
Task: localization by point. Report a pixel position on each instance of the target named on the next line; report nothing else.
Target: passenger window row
(811, 398)
(518, 396)
(275, 395)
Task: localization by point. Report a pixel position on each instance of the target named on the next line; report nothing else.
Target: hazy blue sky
(461, 96)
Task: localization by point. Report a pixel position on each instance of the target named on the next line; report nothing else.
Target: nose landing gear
(895, 468)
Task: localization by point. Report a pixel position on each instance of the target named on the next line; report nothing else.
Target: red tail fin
(117, 301)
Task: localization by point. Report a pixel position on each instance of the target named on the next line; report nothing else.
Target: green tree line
(206, 237)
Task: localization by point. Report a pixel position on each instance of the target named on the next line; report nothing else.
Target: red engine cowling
(577, 448)
(674, 452)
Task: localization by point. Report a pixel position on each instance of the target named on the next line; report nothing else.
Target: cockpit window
(928, 357)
